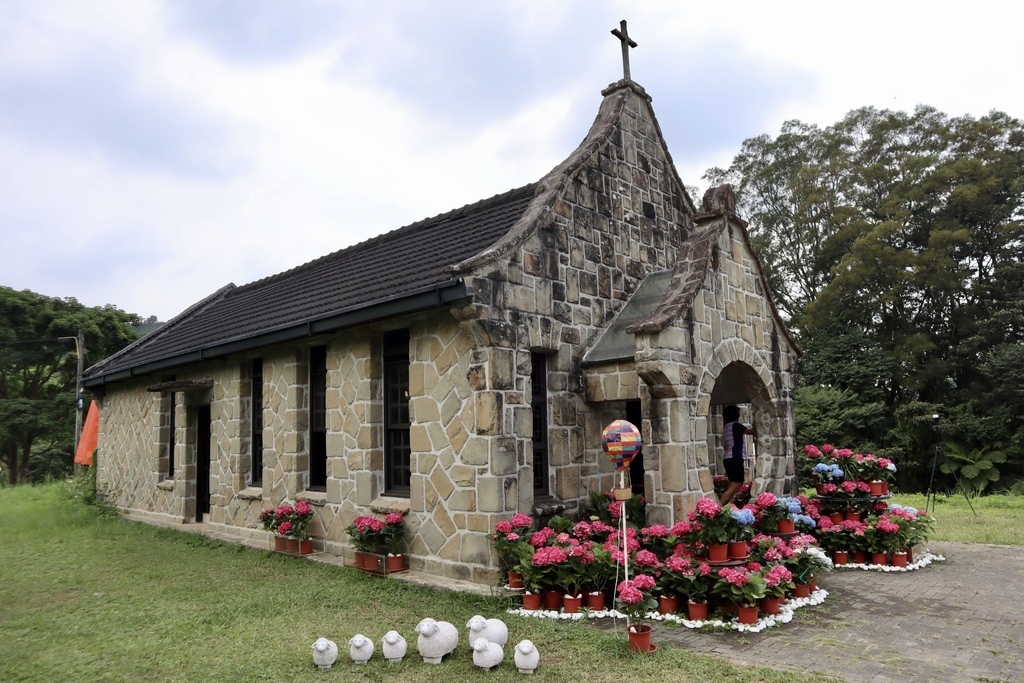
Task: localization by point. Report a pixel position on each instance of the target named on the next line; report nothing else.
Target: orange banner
(90, 435)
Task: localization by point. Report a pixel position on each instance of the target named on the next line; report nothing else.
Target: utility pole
(79, 343)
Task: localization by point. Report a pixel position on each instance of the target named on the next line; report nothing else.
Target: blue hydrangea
(792, 505)
(742, 516)
(805, 520)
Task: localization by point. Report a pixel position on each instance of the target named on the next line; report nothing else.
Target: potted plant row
(290, 526)
(379, 543)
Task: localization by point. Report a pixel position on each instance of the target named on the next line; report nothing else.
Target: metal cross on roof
(623, 35)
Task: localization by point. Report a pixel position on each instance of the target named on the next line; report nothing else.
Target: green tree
(38, 375)
(894, 243)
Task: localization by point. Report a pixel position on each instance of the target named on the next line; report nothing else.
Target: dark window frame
(172, 408)
(256, 422)
(317, 419)
(539, 409)
(397, 419)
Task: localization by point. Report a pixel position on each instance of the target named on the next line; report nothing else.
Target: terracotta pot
(739, 550)
(571, 603)
(813, 583)
(747, 615)
(860, 557)
(819, 488)
(879, 558)
(395, 563)
(668, 604)
(640, 638)
(292, 544)
(885, 488)
(770, 605)
(718, 552)
(909, 550)
(802, 590)
(280, 543)
(852, 516)
(552, 599)
(786, 526)
(531, 601)
(697, 611)
(306, 546)
(595, 600)
(836, 517)
(840, 557)
(876, 487)
(515, 580)
(371, 562)
(899, 559)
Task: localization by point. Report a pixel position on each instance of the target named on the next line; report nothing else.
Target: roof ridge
(447, 215)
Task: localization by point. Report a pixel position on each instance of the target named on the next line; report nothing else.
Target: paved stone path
(957, 620)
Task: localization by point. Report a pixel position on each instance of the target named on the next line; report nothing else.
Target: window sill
(165, 484)
(318, 498)
(387, 504)
(251, 493)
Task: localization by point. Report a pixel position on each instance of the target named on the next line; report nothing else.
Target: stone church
(462, 368)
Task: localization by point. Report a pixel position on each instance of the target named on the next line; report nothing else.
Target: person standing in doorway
(735, 445)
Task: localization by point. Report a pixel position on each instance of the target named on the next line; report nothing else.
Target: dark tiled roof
(391, 267)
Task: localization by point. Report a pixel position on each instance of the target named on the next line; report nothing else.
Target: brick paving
(957, 620)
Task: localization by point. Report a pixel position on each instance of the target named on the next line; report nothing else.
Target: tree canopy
(38, 376)
(893, 241)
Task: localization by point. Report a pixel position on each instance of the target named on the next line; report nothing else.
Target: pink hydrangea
(708, 507)
(811, 451)
(520, 521)
(766, 500)
(645, 558)
(503, 527)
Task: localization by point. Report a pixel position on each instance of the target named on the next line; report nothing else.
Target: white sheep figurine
(526, 656)
(437, 639)
(360, 648)
(325, 653)
(493, 630)
(486, 654)
(393, 646)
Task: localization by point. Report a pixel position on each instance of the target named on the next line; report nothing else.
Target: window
(256, 422)
(318, 418)
(169, 402)
(397, 448)
(539, 406)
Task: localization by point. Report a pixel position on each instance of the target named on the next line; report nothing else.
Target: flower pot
(876, 487)
(819, 489)
(786, 526)
(371, 562)
(305, 546)
(640, 638)
(395, 563)
(747, 615)
(552, 599)
(280, 543)
(813, 583)
(668, 604)
(571, 603)
(836, 517)
(851, 516)
(860, 557)
(802, 590)
(697, 611)
(770, 605)
(879, 558)
(840, 557)
(885, 488)
(292, 544)
(899, 559)
(739, 550)
(515, 580)
(909, 550)
(719, 552)
(595, 600)
(531, 601)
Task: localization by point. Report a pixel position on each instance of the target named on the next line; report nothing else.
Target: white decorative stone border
(784, 616)
(923, 562)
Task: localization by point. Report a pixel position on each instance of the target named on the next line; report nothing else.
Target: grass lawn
(88, 597)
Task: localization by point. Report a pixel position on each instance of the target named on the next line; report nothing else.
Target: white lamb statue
(325, 653)
(437, 639)
(486, 654)
(393, 646)
(527, 658)
(493, 630)
(360, 648)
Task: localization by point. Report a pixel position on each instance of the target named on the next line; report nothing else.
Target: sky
(153, 151)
